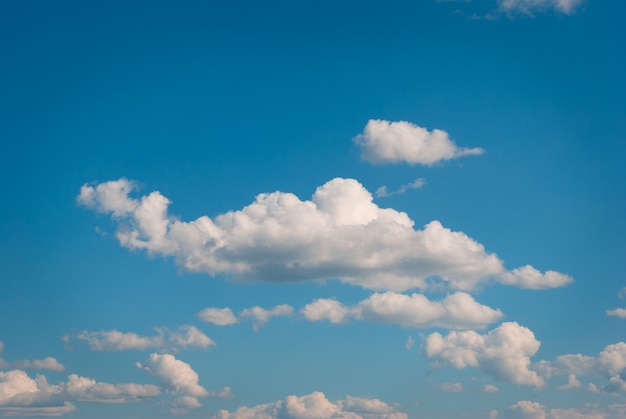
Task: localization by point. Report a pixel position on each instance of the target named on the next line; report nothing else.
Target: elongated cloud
(504, 352)
(316, 406)
(402, 142)
(259, 315)
(382, 192)
(48, 363)
(529, 7)
(21, 395)
(618, 312)
(339, 234)
(114, 340)
(527, 409)
(456, 311)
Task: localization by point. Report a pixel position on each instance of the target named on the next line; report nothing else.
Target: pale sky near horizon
(292, 210)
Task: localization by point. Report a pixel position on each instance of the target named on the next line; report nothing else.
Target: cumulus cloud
(618, 312)
(456, 311)
(526, 410)
(186, 336)
(339, 234)
(529, 7)
(261, 316)
(609, 364)
(218, 316)
(316, 406)
(403, 142)
(382, 192)
(178, 378)
(21, 395)
(531, 278)
(503, 353)
(89, 390)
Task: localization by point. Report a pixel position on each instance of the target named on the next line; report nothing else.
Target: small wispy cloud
(383, 192)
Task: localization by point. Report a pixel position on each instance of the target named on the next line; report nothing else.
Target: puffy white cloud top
(114, 340)
(339, 234)
(503, 353)
(316, 406)
(403, 142)
(456, 311)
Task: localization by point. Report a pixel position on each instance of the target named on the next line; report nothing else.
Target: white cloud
(490, 388)
(530, 278)
(316, 406)
(525, 410)
(528, 7)
(610, 364)
(21, 395)
(622, 293)
(533, 410)
(327, 309)
(218, 316)
(261, 316)
(48, 363)
(222, 393)
(452, 387)
(114, 340)
(382, 192)
(190, 336)
(503, 353)
(175, 375)
(456, 311)
(403, 142)
(89, 390)
(339, 234)
(618, 312)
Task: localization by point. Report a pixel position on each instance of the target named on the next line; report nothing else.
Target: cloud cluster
(114, 340)
(526, 409)
(403, 142)
(259, 315)
(503, 353)
(528, 7)
(339, 234)
(316, 406)
(455, 311)
(21, 395)
(610, 364)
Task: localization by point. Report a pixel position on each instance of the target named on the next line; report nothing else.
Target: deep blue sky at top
(212, 103)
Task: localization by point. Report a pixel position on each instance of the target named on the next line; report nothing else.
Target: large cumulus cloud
(339, 234)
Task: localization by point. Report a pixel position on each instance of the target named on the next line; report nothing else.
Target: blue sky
(313, 209)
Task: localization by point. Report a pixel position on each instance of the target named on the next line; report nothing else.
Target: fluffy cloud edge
(316, 406)
(403, 142)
